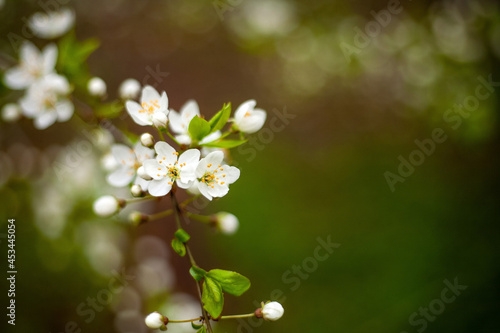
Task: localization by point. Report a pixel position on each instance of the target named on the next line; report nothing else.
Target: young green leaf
(179, 247)
(182, 235)
(212, 297)
(224, 143)
(202, 330)
(197, 273)
(231, 282)
(196, 326)
(220, 118)
(198, 128)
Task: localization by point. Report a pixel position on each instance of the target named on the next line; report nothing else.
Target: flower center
(173, 173)
(149, 107)
(215, 177)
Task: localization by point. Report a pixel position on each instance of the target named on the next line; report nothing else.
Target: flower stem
(199, 218)
(173, 138)
(134, 200)
(185, 321)
(160, 214)
(161, 135)
(238, 316)
(178, 212)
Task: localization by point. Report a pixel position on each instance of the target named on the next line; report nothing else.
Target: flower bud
(160, 120)
(129, 89)
(142, 173)
(227, 223)
(156, 320)
(96, 87)
(137, 218)
(106, 206)
(136, 190)
(11, 112)
(147, 140)
(272, 311)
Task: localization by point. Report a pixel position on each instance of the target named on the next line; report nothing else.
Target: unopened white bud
(160, 120)
(137, 218)
(227, 223)
(106, 206)
(272, 311)
(142, 173)
(11, 112)
(129, 89)
(147, 140)
(155, 320)
(97, 86)
(136, 190)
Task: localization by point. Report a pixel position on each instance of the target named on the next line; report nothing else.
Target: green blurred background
(322, 174)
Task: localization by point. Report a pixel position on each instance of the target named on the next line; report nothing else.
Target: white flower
(129, 160)
(214, 177)
(52, 24)
(11, 112)
(227, 223)
(147, 140)
(96, 86)
(46, 101)
(151, 105)
(248, 119)
(179, 123)
(155, 320)
(272, 311)
(129, 89)
(166, 169)
(106, 206)
(33, 65)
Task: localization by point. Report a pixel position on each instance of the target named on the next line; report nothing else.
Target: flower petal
(123, 155)
(64, 109)
(175, 122)
(209, 163)
(149, 94)
(121, 177)
(218, 190)
(17, 78)
(204, 190)
(158, 188)
(45, 120)
(49, 58)
(232, 174)
(151, 168)
(166, 153)
(133, 109)
(243, 109)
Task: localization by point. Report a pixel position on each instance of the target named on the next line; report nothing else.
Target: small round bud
(106, 206)
(147, 140)
(142, 173)
(137, 218)
(156, 320)
(129, 89)
(227, 223)
(136, 190)
(272, 311)
(160, 120)
(96, 87)
(11, 112)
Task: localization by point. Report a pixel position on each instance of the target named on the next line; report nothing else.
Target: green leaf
(179, 247)
(212, 297)
(182, 235)
(196, 326)
(202, 330)
(220, 118)
(198, 128)
(224, 143)
(231, 282)
(197, 273)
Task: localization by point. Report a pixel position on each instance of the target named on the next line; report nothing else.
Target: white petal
(29, 53)
(243, 109)
(121, 177)
(164, 103)
(209, 163)
(49, 58)
(204, 190)
(232, 174)
(123, 155)
(175, 122)
(143, 153)
(17, 78)
(218, 190)
(211, 137)
(151, 167)
(183, 139)
(253, 122)
(149, 94)
(142, 182)
(184, 185)
(133, 109)
(191, 157)
(165, 152)
(64, 109)
(45, 120)
(160, 187)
